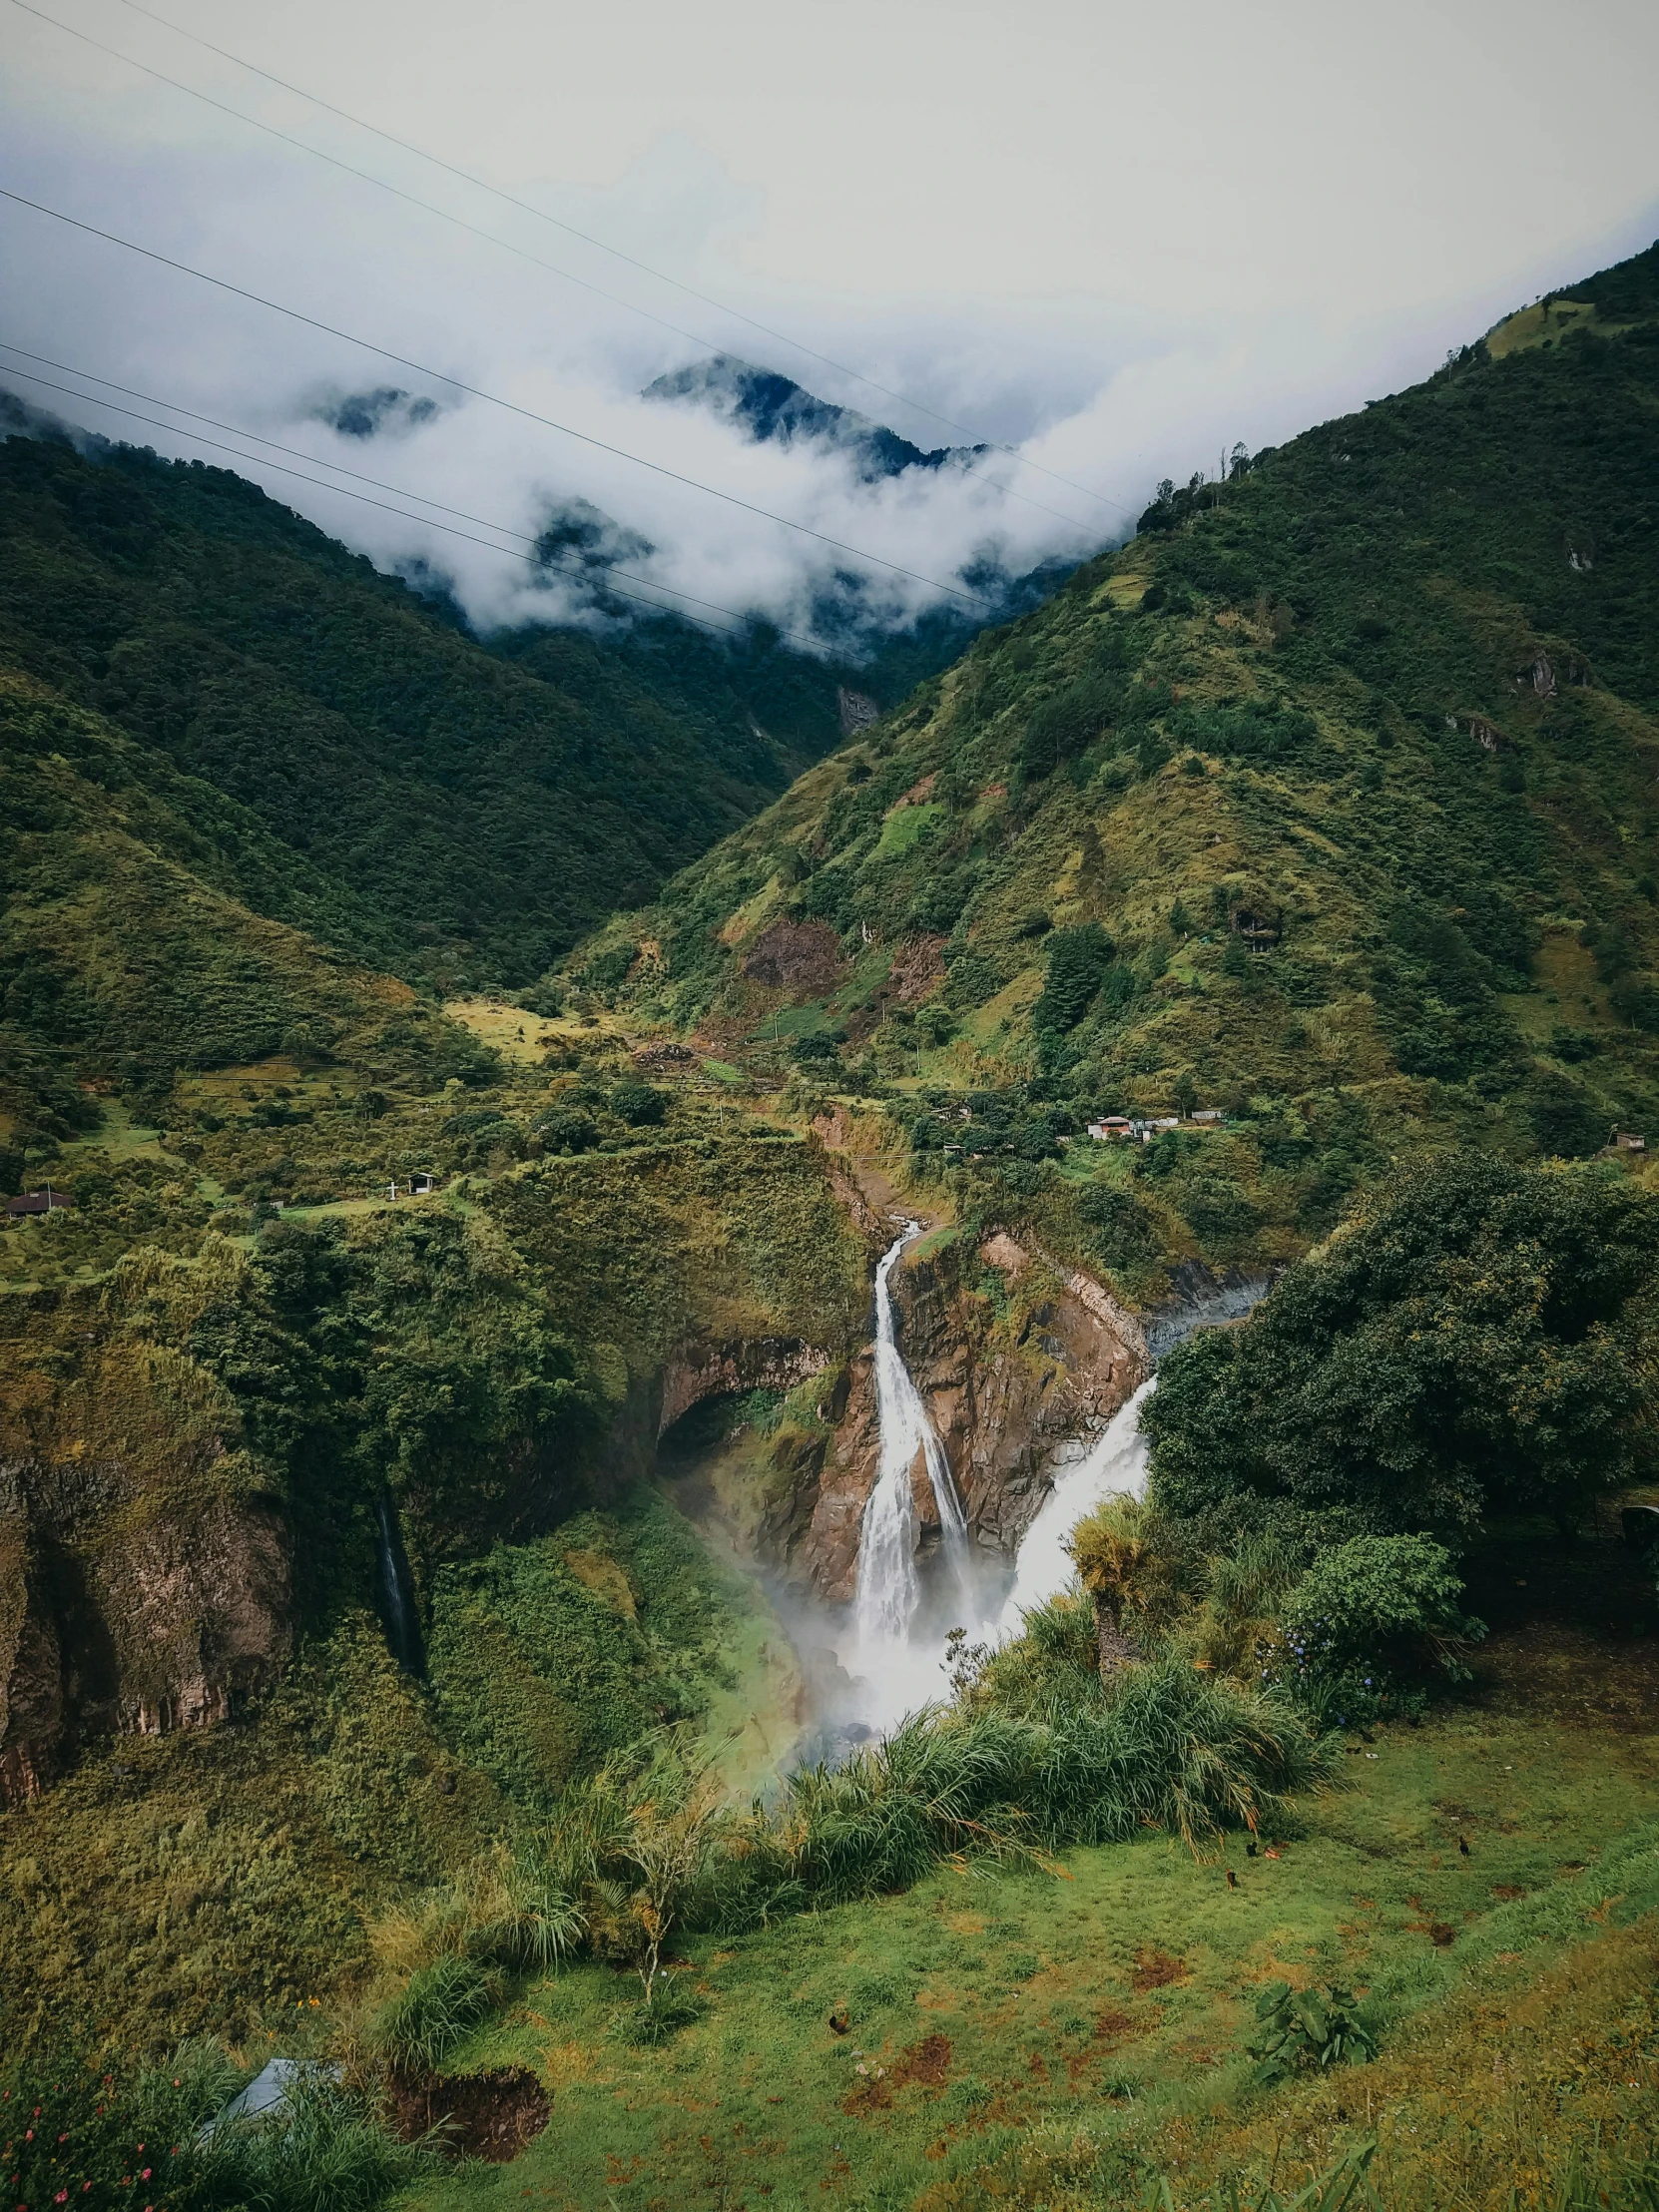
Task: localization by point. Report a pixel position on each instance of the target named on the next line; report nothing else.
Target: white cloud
(1123, 237)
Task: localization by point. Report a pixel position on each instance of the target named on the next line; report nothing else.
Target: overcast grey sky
(1121, 238)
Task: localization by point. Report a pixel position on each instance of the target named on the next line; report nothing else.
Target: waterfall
(1116, 1462)
(397, 1596)
(889, 1586)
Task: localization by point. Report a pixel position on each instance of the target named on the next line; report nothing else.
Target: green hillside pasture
(1107, 2000)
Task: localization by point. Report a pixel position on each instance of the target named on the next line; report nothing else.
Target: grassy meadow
(1094, 2014)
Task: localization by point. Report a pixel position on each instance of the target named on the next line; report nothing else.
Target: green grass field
(992, 2011)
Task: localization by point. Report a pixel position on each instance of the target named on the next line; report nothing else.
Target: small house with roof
(36, 1202)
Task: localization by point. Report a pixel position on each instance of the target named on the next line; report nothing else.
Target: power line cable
(474, 392)
(400, 490)
(259, 461)
(661, 277)
(445, 215)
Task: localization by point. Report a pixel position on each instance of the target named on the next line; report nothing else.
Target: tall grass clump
(104, 2132)
(319, 2150)
(435, 2010)
(1161, 1746)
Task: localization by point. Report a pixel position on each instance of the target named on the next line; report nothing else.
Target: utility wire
(400, 490)
(660, 275)
(474, 392)
(132, 414)
(443, 215)
(533, 560)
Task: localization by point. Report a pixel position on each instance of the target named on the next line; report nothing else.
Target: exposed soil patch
(917, 969)
(486, 2116)
(1112, 2027)
(873, 2095)
(928, 2062)
(799, 957)
(1156, 1969)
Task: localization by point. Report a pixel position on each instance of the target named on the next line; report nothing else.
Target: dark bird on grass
(1232, 1878)
(1463, 1846)
(1249, 1850)
(838, 2021)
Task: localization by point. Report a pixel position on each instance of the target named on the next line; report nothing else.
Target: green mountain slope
(138, 942)
(447, 809)
(1330, 800)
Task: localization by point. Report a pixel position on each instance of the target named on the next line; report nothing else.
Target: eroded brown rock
(698, 1372)
(119, 1613)
(1003, 1396)
(803, 957)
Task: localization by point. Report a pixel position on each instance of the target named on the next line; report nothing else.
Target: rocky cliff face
(117, 1617)
(144, 1558)
(1014, 1358)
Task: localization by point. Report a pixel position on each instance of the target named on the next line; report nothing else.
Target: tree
(1114, 1555)
(1476, 1339)
(1077, 964)
(639, 1104)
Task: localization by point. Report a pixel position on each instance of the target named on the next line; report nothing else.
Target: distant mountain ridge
(775, 410)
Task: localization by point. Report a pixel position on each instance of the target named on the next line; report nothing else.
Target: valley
(904, 1464)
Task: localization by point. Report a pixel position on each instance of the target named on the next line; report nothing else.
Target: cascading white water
(890, 1589)
(1117, 1462)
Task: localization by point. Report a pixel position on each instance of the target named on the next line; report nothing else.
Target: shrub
(638, 1104)
(1383, 1610)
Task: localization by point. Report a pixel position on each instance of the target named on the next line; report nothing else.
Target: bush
(638, 1104)
(1301, 2029)
(1381, 1610)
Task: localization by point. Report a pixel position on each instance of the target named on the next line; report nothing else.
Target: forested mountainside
(1329, 802)
(446, 809)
